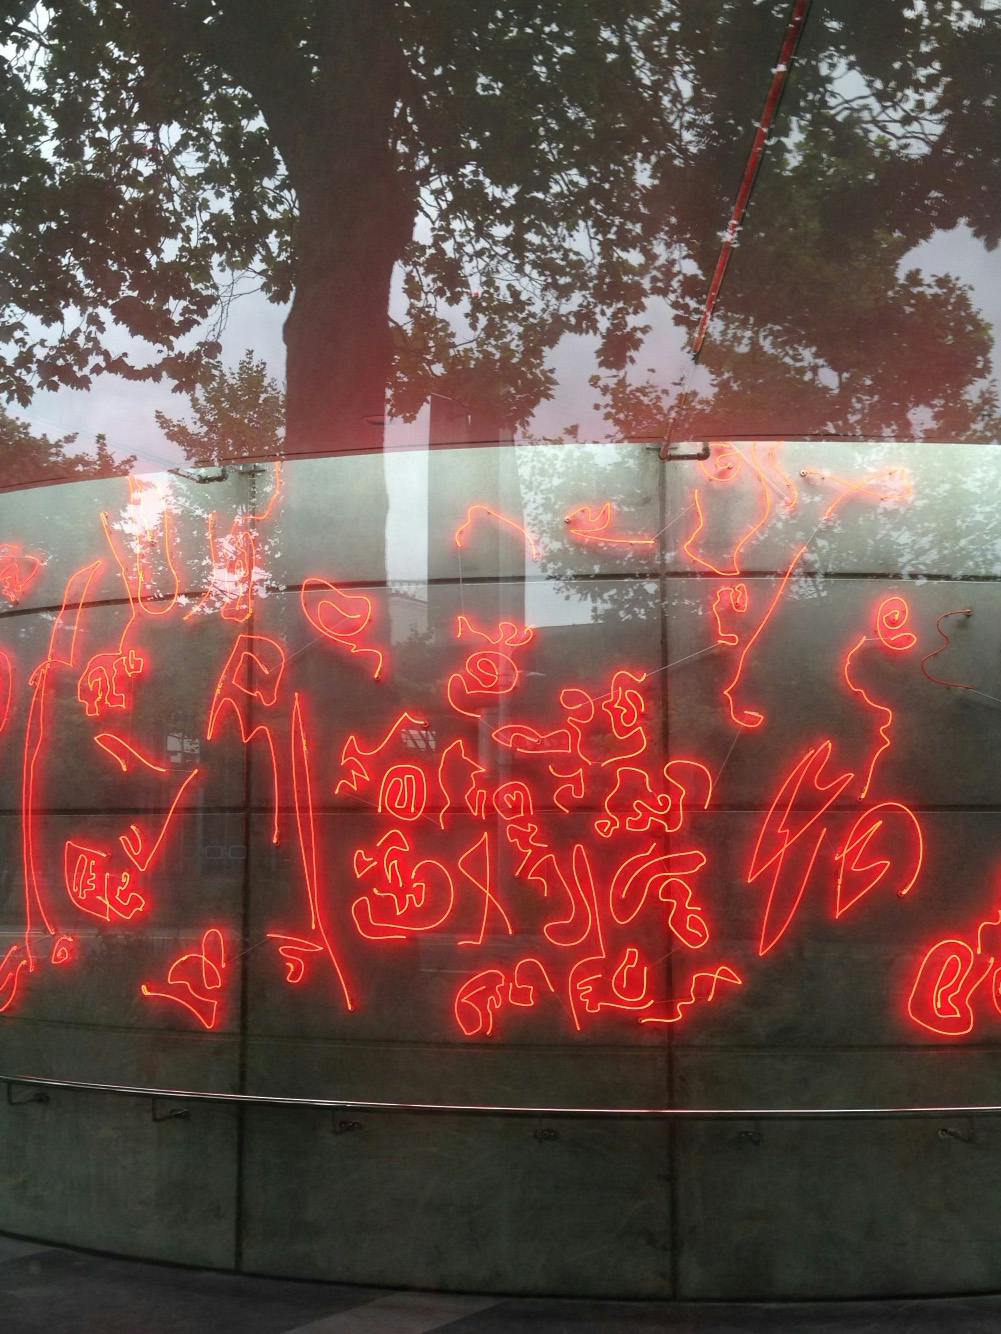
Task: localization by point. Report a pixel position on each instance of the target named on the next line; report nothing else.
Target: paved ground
(51, 1291)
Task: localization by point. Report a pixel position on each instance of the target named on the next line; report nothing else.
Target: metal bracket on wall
(173, 1114)
(965, 1136)
(36, 1096)
(749, 1135)
(201, 475)
(676, 451)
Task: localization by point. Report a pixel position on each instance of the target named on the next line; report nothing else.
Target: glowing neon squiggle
(465, 528)
(306, 830)
(938, 680)
(781, 830)
(590, 525)
(62, 653)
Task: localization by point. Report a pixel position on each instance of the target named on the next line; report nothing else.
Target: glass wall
(547, 776)
(313, 770)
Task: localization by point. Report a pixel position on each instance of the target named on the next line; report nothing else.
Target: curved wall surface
(543, 776)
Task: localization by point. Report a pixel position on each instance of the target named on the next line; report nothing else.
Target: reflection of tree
(530, 172)
(27, 457)
(825, 323)
(881, 144)
(500, 151)
(556, 480)
(238, 414)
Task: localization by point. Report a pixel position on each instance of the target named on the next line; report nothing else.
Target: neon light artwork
(11, 965)
(97, 886)
(702, 990)
(6, 688)
(667, 876)
(62, 654)
(476, 864)
(252, 674)
(477, 513)
(141, 847)
(142, 544)
(340, 617)
(482, 996)
(725, 468)
(306, 830)
(17, 572)
(405, 894)
(891, 618)
(592, 525)
(949, 996)
(742, 716)
(125, 755)
(237, 571)
(790, 838)
(730, 598)
(487, 673)
(193, 979)
(512, 840)
(860, 869)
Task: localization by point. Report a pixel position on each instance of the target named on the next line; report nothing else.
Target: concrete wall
(614, 1206)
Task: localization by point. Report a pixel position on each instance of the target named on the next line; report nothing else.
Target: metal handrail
(487, 1109)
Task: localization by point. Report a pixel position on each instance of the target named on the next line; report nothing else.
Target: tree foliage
(527, 172)
(28, 456)
(237, 414)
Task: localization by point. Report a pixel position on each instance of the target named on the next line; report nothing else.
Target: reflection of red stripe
(779, 76)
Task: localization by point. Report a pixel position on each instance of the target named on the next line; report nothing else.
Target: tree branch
(249, 40)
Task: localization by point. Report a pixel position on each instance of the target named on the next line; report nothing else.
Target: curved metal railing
(490, 1109)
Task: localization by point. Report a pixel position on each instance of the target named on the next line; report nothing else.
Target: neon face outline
(891, 618)
(700, 521)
